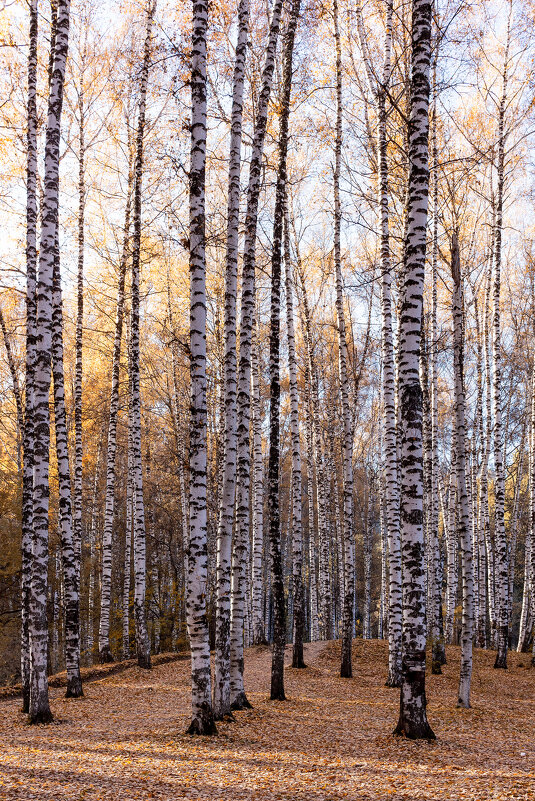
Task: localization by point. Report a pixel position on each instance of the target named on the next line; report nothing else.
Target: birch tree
(237, 692)
(39, 709)
(201, 697)
(228, 490)
(465, 524)
(413, 718)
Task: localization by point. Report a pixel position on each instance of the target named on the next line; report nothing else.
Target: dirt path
(331, 740)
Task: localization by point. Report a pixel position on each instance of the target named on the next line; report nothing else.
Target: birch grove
(267, 347)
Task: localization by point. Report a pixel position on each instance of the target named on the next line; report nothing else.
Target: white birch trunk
(197, 565)
(241, 535)
(39, 710)
(465, 523)
(228, 493)
(413, 719)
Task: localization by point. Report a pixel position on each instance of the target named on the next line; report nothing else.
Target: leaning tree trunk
(413, 718)
(140, 559)
(228, 492)
(31, 322)
(241, 535)
(39, 711)
(296, 507)
(69, 556)
(201, 697)
(347, 449)
(465, 524)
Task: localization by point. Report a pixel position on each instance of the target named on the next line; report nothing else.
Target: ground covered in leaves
(331, 740)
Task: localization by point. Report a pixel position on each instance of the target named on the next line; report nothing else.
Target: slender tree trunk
(296, 512)
(105, 654)
(501, 567)
(31, 323)
(201, 697)
(241, 534)
(277, 577)
(140, 560)
(70, 560)
(259, 637)
(78, 453)
(228, 493)
(465, 524)
(128, 546)
(347, 450)
(39, 711)
(413, 719)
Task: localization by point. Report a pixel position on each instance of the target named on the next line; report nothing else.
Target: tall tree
(413, 718)
(228, 491)
(201, 697)
(238, 697)
(277, 577)
(140, 559)
(39, 710)
(347, 448)
(465, 524)
(31, 322)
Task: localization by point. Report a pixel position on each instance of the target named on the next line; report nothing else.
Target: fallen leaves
(331, 740)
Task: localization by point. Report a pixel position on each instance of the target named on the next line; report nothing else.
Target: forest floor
(331, 740)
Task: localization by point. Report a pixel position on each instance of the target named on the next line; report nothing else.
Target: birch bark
(31, 323)
(228, 492)
(465, 523)
(413, 719)
(241, 535)
(39, 710)
(201, 697)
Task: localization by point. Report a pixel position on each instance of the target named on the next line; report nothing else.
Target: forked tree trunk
(228, 492)
(39, 711)
(413, 718)
(202, 721)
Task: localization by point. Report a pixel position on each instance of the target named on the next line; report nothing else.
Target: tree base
(421, 731)
(74, 687)
(436, 668)
(105, 656)
(241, 702)
(224, 717)
(346, 671)
(25, 701)
(299, 664)
(143, 661)
(203, 723)
(501, 662)
(44, 717)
